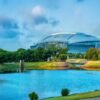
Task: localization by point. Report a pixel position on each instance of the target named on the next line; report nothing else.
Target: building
(76, 42)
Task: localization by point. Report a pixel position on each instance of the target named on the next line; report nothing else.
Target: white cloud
(38, 11)
(35, 26)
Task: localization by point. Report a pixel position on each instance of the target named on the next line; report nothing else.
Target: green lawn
(13, 67)
(7, 68)
(40, 65)
(77, 96)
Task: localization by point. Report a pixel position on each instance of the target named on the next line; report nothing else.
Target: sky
(26, 22)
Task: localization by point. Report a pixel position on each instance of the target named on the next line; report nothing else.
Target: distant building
(76, 43)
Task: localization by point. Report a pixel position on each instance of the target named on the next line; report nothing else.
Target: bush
(64, 92)
(92, 54)
(62, 57)
(33, 96)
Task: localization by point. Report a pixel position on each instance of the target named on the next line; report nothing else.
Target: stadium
(75, 42)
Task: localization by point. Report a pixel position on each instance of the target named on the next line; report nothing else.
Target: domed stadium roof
(71, 38)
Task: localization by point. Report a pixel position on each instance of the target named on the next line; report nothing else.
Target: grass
(8, 68)
(13, 67)
(92, 65)
(88, 65)
(40, 65)
(77, 96)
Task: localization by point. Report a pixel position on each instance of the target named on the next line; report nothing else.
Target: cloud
(8, 23)
(37, 20)
(39, 17)
(37, 23)
(80, 1)
(9, 34)
(28, 29)
(8, 28)
(38, 11)
(54, 22)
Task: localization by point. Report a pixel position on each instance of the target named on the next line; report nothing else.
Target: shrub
(62, 57)
(33, 96)
(64, 92)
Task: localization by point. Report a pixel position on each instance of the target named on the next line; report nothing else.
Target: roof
(70, 38)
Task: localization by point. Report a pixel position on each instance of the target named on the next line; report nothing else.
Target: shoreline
(77, 96)
(14, 67)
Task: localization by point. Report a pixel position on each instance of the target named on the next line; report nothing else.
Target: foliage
(8, 68)
(2, 56)
(62, 57)
(30, 55)
(33, 96)
(65, 92)
(92, 54)
(76, 55)
(51, 52)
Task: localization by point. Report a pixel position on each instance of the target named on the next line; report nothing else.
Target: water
(46, 83)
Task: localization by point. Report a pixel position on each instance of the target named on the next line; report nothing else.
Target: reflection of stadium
(76, 43)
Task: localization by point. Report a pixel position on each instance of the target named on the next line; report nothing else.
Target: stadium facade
(76, 42)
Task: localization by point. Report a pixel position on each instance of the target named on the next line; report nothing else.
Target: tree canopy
(29, 55)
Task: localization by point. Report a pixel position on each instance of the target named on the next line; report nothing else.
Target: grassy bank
(13, 67)
(77, 96)
(87, 65)
(92, 65)
(43, 65)
(9, 67)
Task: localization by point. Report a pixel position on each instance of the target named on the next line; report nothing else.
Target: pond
(46, 83)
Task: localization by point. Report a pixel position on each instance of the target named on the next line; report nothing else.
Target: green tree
(92, 54)
(55, 50)
(2, 56)
(62, 57)
(21, 54)
(98, 51)
(36, 54)
(65, 92)
(33, 96)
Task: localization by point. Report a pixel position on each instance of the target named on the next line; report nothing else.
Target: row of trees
(51, 52)
(29, 55)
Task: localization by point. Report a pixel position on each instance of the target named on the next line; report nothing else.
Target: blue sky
(25, 22)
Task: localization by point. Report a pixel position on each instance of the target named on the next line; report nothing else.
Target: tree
(65, 92)
(54, 50)
(62, 57)
(29, 55)
(98, 51)
(92, 54)
(51, 51)
(21, 54)
(2, 56)
(33, 96)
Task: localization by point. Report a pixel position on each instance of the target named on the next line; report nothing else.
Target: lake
(17, 86)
